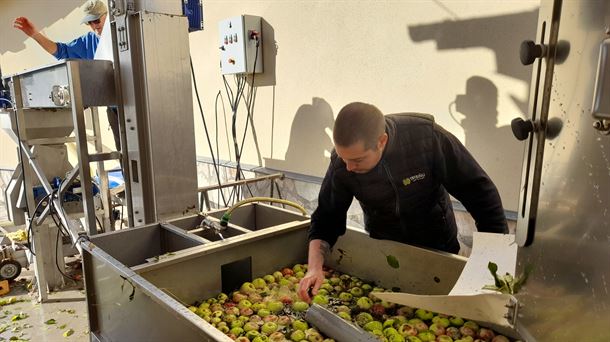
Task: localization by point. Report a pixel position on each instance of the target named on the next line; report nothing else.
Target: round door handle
(530, 51)
(522, 128)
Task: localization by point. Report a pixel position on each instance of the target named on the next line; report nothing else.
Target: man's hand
(25, 25)
(318, 249)
(312, 281)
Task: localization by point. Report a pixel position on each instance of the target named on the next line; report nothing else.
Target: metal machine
(139, 281)
(563, 226)
(48, 105)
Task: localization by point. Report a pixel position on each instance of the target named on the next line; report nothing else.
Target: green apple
(442, 321)
(269, 327)
(300, 324)
(363, 318)
(275, 306)
(300, 306)
(356, 291)
(236, 331)
(345, 297)
(297, 335)
(345, 315)
(426, 336)
(364, 303)
(263, 312)
(247, 288)
(407, 329)
(320, 299)
(424, 315)
(456, 321)
(373, 325)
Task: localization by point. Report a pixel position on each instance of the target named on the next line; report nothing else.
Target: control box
(241, 45)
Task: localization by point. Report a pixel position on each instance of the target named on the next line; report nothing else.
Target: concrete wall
(320, 55)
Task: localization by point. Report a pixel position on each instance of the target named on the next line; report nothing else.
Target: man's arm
(25, 25)
(464, 178)
(328, 222)
(318, 249)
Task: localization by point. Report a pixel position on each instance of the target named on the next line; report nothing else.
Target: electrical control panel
(241, 45)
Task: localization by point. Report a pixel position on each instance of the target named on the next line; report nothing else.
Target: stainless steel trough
(135, 295)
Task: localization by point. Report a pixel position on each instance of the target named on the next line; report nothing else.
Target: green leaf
(68, 332)
(392, 261)
(520, 281)
(63, 326)
(507, 283)
(50, 321)
(19, 316)
(493, 268)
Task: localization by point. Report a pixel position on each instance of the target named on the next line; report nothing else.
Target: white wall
(399, 55)
(320, 55)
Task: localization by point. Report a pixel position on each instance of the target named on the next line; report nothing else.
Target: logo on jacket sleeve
(413, 179)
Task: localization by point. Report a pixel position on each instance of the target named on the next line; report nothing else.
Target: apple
(424, 315)
(269, 327)
(275, 306)
(363, 318)
(373, 325)
(297, 335)
(300, 306)
(456, 321)
(364, 303)
(300, 324)
(407, 329)
(247, 288)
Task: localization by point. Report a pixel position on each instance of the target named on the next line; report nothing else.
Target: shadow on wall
(495, 148)
(310, 145)
(41, 14)
(502, 34)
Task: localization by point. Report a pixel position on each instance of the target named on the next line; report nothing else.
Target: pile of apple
(269, 309)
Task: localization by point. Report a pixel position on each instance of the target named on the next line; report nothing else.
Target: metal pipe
(224, 221)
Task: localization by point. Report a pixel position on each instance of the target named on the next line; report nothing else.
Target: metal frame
(33, 172)
(204, 199)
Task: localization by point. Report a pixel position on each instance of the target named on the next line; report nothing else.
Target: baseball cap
(94, 9)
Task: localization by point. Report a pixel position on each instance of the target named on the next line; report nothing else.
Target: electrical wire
(121, 225)
(57, 258)
(234, 101)
(99, 223)
(205, 126)
(7, 101)
(219, 192)
(29, 227)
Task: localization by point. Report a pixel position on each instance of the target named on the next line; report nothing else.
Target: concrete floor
(66, 308)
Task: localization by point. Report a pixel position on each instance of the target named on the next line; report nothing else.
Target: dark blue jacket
(405, 197)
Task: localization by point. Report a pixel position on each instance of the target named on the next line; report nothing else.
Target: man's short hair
(356, 122)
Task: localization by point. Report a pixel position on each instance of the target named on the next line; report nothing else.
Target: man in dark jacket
(401, 168)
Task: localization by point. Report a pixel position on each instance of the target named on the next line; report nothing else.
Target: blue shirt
(82, 47)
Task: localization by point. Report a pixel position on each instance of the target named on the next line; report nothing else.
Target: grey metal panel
(133, 246)
(159, 116)
(566, 297)
(97, 78)
(123, 306)
(197, 276)
(421, 271)
(170, 113)
(255, 216)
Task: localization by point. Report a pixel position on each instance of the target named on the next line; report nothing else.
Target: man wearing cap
(83, 47)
